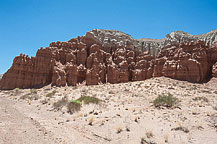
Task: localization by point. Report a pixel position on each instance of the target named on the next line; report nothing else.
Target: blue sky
(27, 25)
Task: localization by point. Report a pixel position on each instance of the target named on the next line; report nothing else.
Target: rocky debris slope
(103, 56)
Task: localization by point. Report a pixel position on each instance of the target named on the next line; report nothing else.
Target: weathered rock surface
(29, 72)
(175, 38)
(188, 61)
(103, 56)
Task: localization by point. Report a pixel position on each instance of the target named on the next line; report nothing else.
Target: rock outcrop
(175, 38)
(187, 61)
(107, 56)
(29, 72)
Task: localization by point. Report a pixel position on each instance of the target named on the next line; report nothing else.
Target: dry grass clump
(147, 139)
(16, 91)
(119, 129)
(144, 141)
(26, 96)
(73, 106)
(30, 96)
(202, 98)
(149, 134)
(166, 138)
(51, 94)
(165, 101)
(33, 91)
(91, 119)
(206, 91)
(60, 103)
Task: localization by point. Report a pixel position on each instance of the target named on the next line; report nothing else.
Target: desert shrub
(29, 96)
(51, 94)
(60, 103)
(76, 101)
(119, 129)
(89, 99)
(26, 96)
(165, 101)
(143, 141)
(17, 91)
(91, 119)
(149, 134)
(202, 98)
(206, 91)
(73, 106)
(34, 97)
(33, 91)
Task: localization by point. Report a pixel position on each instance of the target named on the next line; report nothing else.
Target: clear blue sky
(26, 25)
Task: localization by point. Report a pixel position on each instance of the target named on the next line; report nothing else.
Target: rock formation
(189, 61)
(175, 38)
(103, 56)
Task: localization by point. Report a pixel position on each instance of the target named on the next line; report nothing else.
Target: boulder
(214, 70)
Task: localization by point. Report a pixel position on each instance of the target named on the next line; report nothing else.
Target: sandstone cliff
(103, 56)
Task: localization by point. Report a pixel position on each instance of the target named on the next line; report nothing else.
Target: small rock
(67, 120)
(184, 129)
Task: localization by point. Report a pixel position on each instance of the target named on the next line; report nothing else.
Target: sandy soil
(126, 114)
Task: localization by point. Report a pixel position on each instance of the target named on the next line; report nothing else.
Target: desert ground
(126, 114)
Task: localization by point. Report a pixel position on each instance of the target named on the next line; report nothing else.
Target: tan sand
(126, 115)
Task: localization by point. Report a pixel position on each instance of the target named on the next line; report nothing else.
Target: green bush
(76, 101)
(165, 101)
(88, 100)
(75, 105)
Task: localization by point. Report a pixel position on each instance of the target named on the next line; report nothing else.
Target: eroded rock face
(103, 56)
(188, 61)
(191, 61)
(29, 72)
